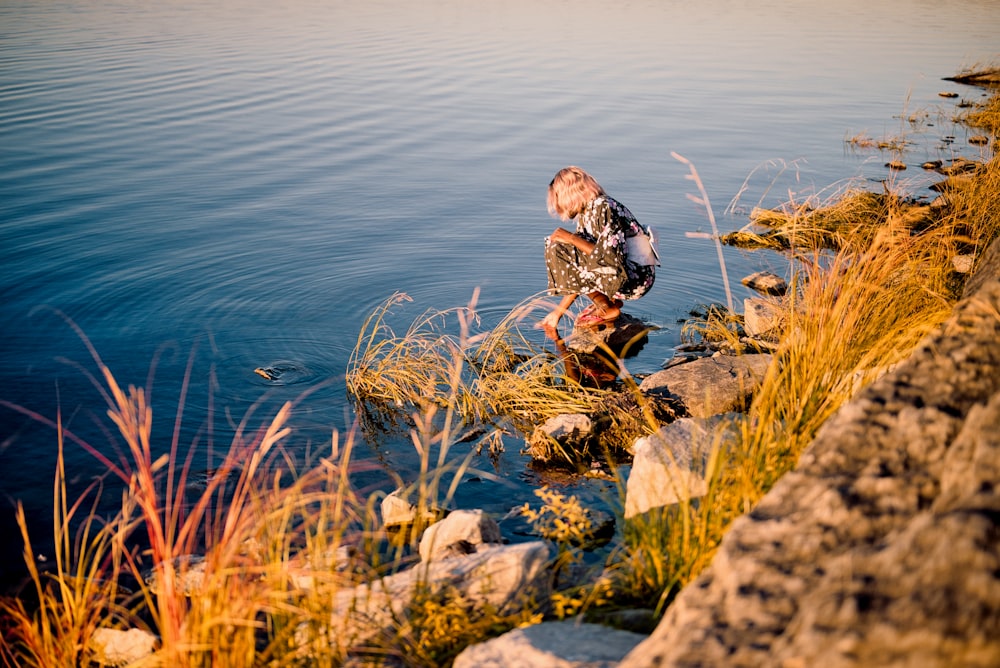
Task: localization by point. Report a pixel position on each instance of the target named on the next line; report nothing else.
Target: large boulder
(710, 385)
(566, 644)
(882, 548)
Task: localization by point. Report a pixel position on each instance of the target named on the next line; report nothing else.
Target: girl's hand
(562, 236)
(550, 325)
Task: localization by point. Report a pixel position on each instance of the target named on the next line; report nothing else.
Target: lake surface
(244, 182)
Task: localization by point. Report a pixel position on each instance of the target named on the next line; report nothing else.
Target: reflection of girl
(593, 260)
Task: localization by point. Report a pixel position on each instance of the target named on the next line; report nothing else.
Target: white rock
(566, 644)
(501, 576)
(115, 647)
(963, 263)
(397, 510)
(462, 532)
(668, 466)
(762, 317)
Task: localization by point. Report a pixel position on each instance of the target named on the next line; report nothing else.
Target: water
(241, 183)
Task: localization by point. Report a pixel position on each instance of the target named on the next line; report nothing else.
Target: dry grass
(495, 383)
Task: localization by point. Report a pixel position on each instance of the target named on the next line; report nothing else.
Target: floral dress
(608, 270)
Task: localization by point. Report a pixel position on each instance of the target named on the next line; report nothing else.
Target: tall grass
(490, 384)
(873, 274)
(210, 573)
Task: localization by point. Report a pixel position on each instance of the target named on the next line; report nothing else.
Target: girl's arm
(564, 236)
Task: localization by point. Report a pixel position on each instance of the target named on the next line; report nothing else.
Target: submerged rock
(766, 283)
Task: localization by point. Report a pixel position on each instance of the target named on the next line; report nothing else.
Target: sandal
(594, 319)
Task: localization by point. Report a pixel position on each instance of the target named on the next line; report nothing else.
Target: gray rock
(668, 466)
(763, 317)
(188, 575)
(462, 532)
(710, 385)
(503, 576)
(882, 547)
(766, 283)
(565, 644)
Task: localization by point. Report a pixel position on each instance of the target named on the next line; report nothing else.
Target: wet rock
(462, 532)
(624, 338)
(710, 385)
(959, 166)
(568, 433)
(565, 644)
(398, 510)
(766, 283)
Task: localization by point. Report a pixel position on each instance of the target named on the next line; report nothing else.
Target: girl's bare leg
(609, 309)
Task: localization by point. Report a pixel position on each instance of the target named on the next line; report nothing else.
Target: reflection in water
(601, 367)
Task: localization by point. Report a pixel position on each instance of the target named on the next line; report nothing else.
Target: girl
(609, 257)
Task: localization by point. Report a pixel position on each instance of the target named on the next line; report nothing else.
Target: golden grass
(494, 384)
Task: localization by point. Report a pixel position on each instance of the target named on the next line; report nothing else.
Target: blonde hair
(569, 192)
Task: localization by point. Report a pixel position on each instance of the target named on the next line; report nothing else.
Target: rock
(397, 510)
(987, 271)
(763, 317)
(624, 338)
(979, 140)
(766, 283)
(963, 263)
(503, 576)
(565, 644)
(462, 532)
(710, 385)
(303, 570)
(669, 466)
(567, 428)
(189, 575)
(896, 164)
(116, 647)
(959, 166)
(881, 547)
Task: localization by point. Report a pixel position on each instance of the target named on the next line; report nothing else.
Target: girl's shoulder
(618, 208)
